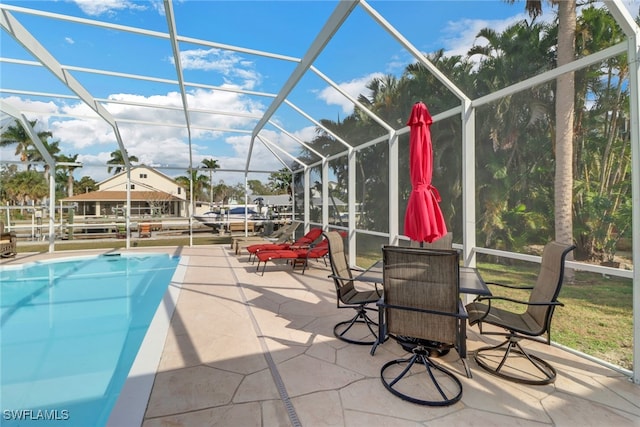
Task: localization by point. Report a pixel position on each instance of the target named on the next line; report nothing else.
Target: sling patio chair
(509, 359)
(421, 310)
(279, 236)
(300, 243)
(144, 230)
(121, 231)
(360, 329)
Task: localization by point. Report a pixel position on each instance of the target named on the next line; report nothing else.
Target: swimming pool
(70, 331)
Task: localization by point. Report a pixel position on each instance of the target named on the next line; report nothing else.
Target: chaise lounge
(301, 243)
(279, 236)
(296, 256)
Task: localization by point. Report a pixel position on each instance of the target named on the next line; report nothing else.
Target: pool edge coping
(132, 402)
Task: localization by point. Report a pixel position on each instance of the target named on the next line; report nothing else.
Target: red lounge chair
(296, 256)
(303, 242)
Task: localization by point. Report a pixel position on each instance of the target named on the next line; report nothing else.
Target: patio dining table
(470, 280)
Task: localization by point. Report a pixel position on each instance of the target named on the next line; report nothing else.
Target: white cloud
(99, 7)
(228, 64)
(459, 36)
(354, 88)
(69, 40)
(76, 135)
(168, 145)
(39, 110)
(73, 124)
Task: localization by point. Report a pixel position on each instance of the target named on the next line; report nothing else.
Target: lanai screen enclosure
(323, 89)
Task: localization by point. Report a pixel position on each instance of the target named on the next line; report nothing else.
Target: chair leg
(264, 265)
(304, 265)
(360, 318)
(544, 374)
(445, 395)
(382, 333)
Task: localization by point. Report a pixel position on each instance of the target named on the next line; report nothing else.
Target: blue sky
(359, 51)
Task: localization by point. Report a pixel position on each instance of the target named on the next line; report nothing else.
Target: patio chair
(421, 309)
(144, 230)
(300, 243)
(509, 359)
(279, 236)
(121, 231)
(8, 242)
(348, 296)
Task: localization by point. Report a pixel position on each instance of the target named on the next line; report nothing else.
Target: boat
(222, 218)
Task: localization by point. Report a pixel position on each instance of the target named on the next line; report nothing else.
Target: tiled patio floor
(251, 350)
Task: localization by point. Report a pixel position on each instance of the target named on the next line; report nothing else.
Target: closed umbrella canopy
(423, 221)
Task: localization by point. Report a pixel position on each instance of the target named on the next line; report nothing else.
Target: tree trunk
(70, 184)
(565, 94)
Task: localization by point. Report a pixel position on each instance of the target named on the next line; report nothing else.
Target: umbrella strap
(432, 189)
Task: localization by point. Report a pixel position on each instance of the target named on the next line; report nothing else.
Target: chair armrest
(333, 276)
(499, 298)
(377, 287)
(379, 291)
(502, 285)
(462, 310)
(301, 246)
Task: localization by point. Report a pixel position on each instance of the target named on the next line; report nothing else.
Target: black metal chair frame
(514, 335)
(424, 351)
(348, 297)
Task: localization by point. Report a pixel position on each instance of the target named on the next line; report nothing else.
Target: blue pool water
(70, 331)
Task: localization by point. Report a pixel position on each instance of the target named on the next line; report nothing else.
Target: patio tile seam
(600, 403)
(229, 405)
(282, 391)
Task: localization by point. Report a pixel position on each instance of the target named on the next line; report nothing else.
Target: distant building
(152, 193)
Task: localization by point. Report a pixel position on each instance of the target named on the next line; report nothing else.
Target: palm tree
(26, 186)
(513, 131)
(62, 183)
(281, 181)
(565, 106)
(34, 155)
(68, 169)
(118, 161)
(85, 185)
(15, 134)
(602, 190)
(212, 165)
(199, 183)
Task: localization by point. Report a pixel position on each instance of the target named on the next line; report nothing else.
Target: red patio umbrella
(423, 220)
